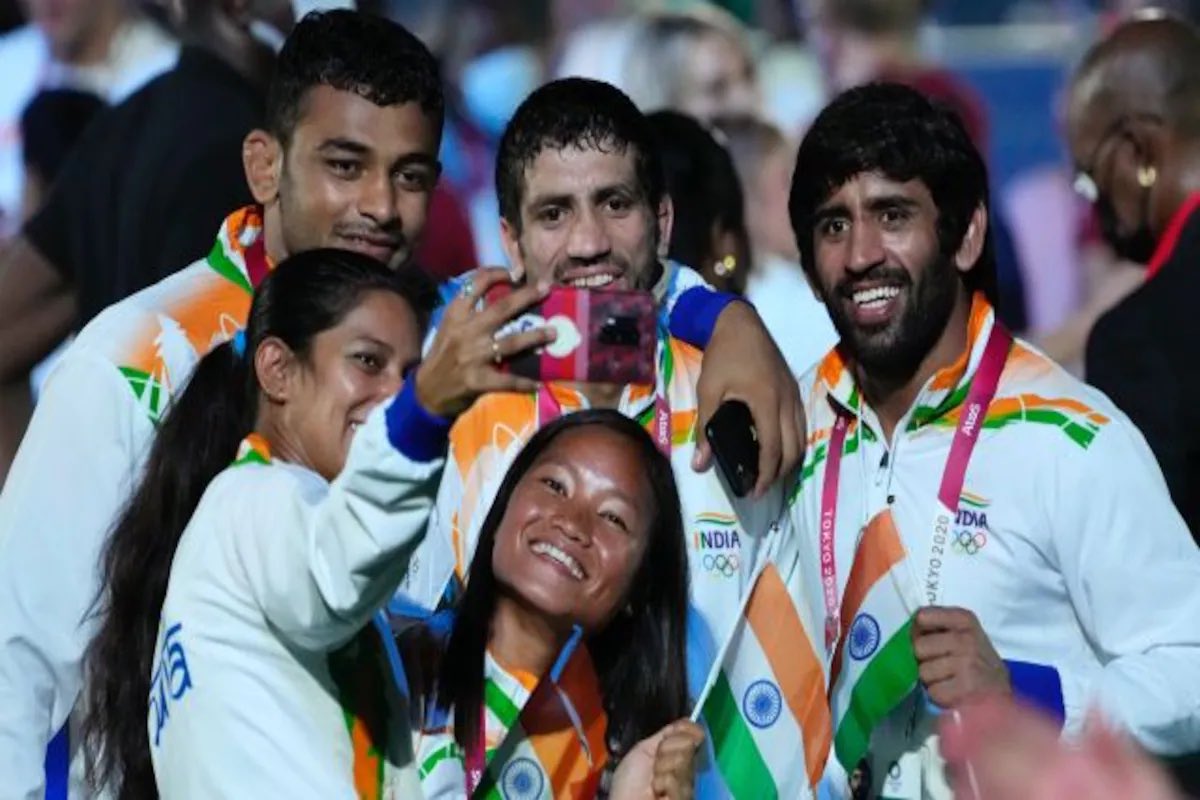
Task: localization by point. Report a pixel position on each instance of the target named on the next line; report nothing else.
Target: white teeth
(592, 281)
(874, 298)
(546, 549)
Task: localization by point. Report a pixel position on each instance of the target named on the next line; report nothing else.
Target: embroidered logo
(971, 530)
(718, 543)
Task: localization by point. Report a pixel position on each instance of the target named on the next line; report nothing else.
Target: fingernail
(543, 287)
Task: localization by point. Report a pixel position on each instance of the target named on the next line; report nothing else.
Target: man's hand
(743, 363)
(464, 359)
(662, 766)
(955, 657)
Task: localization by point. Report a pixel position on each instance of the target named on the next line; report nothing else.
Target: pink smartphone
(603, 336)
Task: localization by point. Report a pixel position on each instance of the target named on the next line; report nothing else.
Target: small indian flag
(874, 668)
(555, 745)
(768, 699)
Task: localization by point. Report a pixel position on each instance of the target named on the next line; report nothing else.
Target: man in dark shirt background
(141, 194)
(1134, 133)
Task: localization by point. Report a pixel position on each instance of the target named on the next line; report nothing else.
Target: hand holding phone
(602, 336)
(734, 442)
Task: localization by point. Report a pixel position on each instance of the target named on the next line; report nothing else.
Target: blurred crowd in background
(754, 72)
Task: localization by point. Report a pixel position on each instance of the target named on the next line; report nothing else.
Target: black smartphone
(734, 441)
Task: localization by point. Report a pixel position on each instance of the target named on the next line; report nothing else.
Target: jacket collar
(942, 393)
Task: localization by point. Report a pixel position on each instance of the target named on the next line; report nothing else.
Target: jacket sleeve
(320, 559)
(71, 475)
(692, 306)
(1133, 575)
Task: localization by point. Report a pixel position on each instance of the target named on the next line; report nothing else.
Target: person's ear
(510, 240)
(1149, 140)
(275, 368)
(665, 220)
(971, 246)
(262, 159)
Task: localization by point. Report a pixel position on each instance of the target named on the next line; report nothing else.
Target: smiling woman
(585, 532)
(234, 655)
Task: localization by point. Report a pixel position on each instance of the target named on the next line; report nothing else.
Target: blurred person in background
(1134, 134)
(141, 194)
(776, 285)
(50, 126)
(698, 62)
(709, 228)
(860, 41)
(102, 46)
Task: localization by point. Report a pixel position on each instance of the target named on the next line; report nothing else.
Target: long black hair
(308, 293)
(640, 656)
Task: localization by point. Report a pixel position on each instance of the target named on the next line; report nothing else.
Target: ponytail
(308, 293)
(195, 442)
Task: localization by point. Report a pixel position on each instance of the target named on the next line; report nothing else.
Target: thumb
(702, 456)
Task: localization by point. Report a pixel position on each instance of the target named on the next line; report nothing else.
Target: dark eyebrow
(831, 211)
(892, 201)
(541, 201)
(614, 190)
(346, 145)
(418, 159)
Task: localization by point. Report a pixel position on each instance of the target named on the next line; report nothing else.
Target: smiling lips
(560, 557)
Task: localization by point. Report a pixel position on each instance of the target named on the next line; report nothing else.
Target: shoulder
(127, 323)
(1037, 395)
(248, 494)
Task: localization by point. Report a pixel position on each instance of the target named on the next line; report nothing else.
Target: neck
(230, 43)
(93, 47)
(284, 445)
(601, 395)
(522, 638)
(890, 398)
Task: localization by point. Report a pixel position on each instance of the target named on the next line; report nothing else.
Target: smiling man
(1015, 506)
(583, 204)
(348, 160)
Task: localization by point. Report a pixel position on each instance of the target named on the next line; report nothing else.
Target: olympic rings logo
(969, 543)
(722, 563)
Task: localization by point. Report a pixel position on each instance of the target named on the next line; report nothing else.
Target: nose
(588, 239)
(575, 523)
(866, 248)
(377, 199)
(388, 384)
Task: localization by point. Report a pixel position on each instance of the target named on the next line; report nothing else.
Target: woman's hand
(662, 766)
(464, 360)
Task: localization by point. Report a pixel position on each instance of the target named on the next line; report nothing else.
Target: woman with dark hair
(584, 534)
(709, 231)
(234, 656)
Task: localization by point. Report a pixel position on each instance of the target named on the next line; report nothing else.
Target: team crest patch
(864, 637)
(522, 779)
(762, 704)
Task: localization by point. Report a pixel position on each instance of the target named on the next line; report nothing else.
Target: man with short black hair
(967, 501)
(348, 160)
(583, 204)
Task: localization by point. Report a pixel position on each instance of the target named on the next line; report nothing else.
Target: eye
(618, 205)
(833, 227)
(551, 215)
(414, 179)
(893, 217)
(554, 485)
(369, 361)
(616, 519)
(344, 167)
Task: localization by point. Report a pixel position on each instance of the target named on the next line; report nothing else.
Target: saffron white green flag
(874, 668)
(766, 709)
